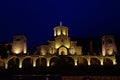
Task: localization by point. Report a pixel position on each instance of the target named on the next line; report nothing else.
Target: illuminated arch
(95, 61)
(82, 61)
(69, 61)
(54, 61)
(41, 62)
(13, 62)
(11, 57)
(26, 57)
(27, 62)
(63, 51)
(107, 62)
(62, 61)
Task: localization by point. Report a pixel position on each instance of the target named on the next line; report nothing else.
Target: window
(109, 41)
(18, 39)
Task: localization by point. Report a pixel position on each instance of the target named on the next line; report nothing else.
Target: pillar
(75, 62)
(34, 62)
(88, 59)
(101, 61)
(6, 65)
(114, 62)
(48, 62)
(20, 64)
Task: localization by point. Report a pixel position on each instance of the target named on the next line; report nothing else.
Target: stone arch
(41, 62)
(27, 62)
(11, 58)
(68, 61)
(54, 61)
(95, 61)
(13, 62)
(63, 51)
(82, 61)
(62, 61)
(107, 62)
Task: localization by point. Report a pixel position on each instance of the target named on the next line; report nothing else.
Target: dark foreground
(58, 73)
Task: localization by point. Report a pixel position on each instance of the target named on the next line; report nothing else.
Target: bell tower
(19, 44)
(108, 45)
(61, 36)
(60, 30)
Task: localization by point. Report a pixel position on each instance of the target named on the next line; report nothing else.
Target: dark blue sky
(37, 18)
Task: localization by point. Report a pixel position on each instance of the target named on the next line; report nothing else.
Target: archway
(63, 51)
(94, 61)
(13, 63)
(82, 62)
(62, 61)
(41, 62)
(107, 62)
(54, 62)
(27, 63)
(68, 61)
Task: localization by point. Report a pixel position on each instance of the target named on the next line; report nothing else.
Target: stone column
(101, 61)
(20, 63)
(88, 59)
(34, 62)
(48, 61)
(6, 64)
(114, 61)
(75, 61)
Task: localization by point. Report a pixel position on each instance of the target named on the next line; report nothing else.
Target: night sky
(37, 18)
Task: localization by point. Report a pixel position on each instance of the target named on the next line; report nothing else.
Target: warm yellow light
(48, 64)
(89, 62)
(6, 65)
(63, 32)
(57, 46)
(25, 51)
(20, 66)
(34, 64)
(17, 50)
(110, 51)
(103, 54)
(67, 45)
(101, 63)
(75, 62)
(43, 52)
(58, 32)
(114, 62)
(54, 32)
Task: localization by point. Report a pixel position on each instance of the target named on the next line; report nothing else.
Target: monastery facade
(61, 48)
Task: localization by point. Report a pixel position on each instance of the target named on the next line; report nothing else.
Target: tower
(62, 41)
(108, 45)
(60, 30)
(19, 44)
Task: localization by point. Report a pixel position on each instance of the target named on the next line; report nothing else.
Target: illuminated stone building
(19, 44)
(61, 45)
(108, 45)
(60, 48)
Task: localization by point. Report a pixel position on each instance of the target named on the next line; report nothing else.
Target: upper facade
(62, 45)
